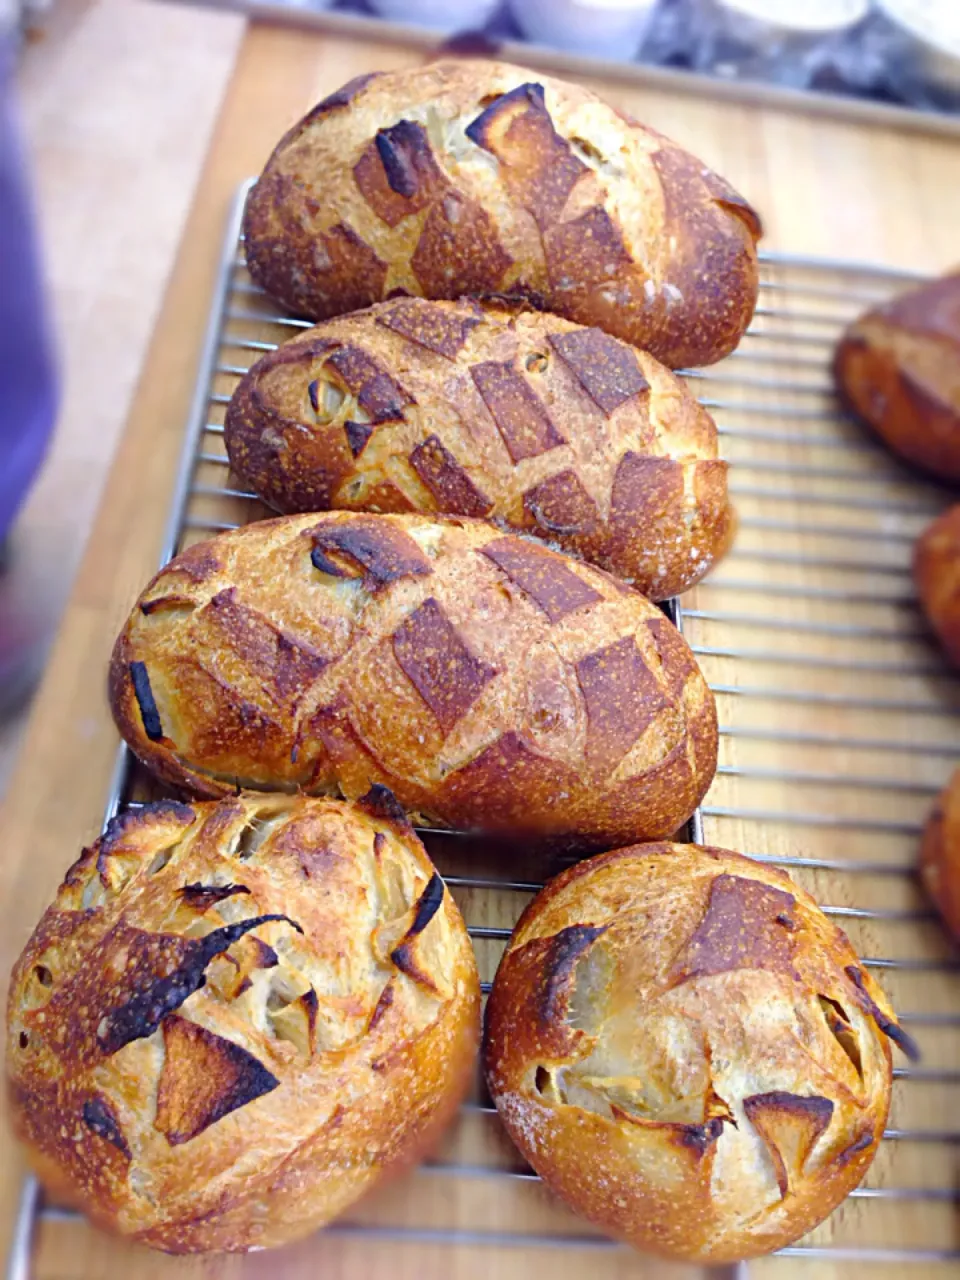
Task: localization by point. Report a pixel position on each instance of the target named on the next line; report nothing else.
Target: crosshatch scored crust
(235, 1018)
(487, 680)
(688, 1051)
(483, 178)
(485, 410)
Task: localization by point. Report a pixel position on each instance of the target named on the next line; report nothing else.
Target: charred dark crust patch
(701, 1138)
(134, 819)
(140, 1016)
(814, 1106)
(539, 167)
(397, 173)
(203, 896)
(403, 955)
(566, 948)
(161, 603)
(382, 804)
(607, 369)
(428, 904)
(438, 664)
(791, 1121)
(891, 1029)
(542, 576)
(204, 1078)
(341, 97)
(145, 701)
(479, 129)
(358, 436)
(101, 1119)
(382, 553)
(400, 149)
(447, 480)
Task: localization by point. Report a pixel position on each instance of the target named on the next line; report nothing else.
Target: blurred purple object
(28, 381)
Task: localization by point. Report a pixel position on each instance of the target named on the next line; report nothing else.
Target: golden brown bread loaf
(490, 682)
(481, 178)
(524, 418)
(898, 369)
(936, 571)
(940, 855)
(235, 1018)
(688, 1051)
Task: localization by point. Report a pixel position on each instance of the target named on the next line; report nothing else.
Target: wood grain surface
(824, 188)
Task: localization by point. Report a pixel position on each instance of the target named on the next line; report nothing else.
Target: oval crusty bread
(936, 571)
(488, 681)
(688, 1051)
(521, 417)
(479, 178)
(235, 1018)
(940, 855)
(898, 369)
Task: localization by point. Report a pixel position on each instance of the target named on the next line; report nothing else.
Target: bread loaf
(482, 178)
(936, 571)
(688, 1052)
(236, 1018)
(489, 681)
(940, 855)
(898, 369)
(524, 418)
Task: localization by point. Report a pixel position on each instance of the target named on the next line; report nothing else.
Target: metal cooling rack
(826, 685)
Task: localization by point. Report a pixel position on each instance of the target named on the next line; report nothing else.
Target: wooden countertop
(824, 187)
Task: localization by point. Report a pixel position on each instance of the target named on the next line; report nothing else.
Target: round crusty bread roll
(477, 177)
(940, 855)
(936, 571)
(524, 418)
(235, 1018)
(898, 368)
(688, 1052)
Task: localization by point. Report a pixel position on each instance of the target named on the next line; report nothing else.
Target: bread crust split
(469, 177)
(688, 1051)
(237, 1017)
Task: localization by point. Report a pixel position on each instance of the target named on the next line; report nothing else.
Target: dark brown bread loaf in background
(483, 178)
(940, 855)
(236, 1018)
(898, 369)
(936, 571)
(540, 424)
(688, 1051)
(488, 681)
